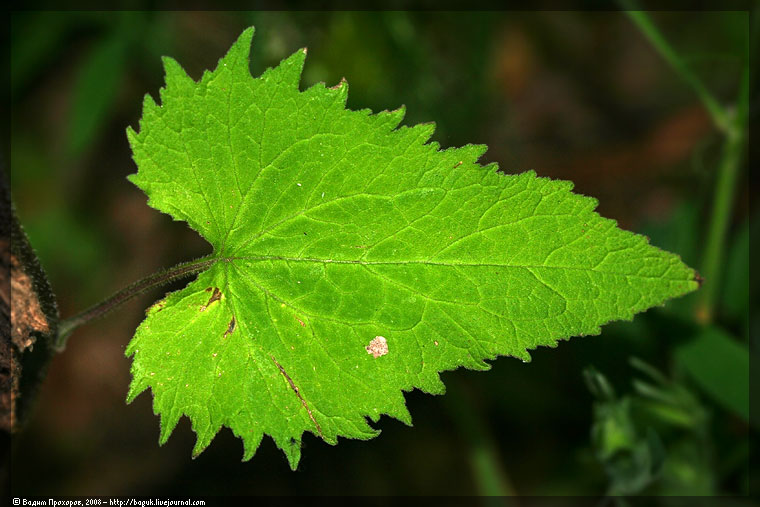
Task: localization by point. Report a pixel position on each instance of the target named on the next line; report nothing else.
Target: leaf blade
(333, 228)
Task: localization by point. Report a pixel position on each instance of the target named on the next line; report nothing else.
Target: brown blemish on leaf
(230, 328)
(342, 82)
(377, 347)
(157, 307)
(294, 387)
(299, 321)
(215, 296)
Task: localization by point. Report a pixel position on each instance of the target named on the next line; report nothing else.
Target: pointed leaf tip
(340, 84)
(245, 38)
(238, 56)
(174, 76)
(201, 444)
(289, 71)
(293, 454)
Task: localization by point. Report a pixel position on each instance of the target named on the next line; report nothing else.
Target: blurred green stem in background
(491, 479)
(720, 218)
(719, 115)
(732, 123)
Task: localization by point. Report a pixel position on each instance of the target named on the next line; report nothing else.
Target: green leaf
(719, 364)
(354, 261)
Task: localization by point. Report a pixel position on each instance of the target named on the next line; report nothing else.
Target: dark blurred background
(655, 406)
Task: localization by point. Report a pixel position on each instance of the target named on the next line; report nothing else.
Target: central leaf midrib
(358, 262)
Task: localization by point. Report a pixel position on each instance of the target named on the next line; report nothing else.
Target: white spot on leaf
(377, 347)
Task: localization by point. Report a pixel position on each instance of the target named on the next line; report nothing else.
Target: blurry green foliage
(719, 364)
(652, 441)
(735, 295)
(72, 243)
(98, 82)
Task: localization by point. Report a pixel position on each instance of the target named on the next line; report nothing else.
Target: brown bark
(7, 362)
(28, 319)
(23, 321)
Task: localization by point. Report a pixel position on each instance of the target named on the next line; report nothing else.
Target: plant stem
(164, 277)
(488, 471)
(723, 203)
(719, 116)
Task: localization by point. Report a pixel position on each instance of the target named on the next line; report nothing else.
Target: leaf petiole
(67, 326)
